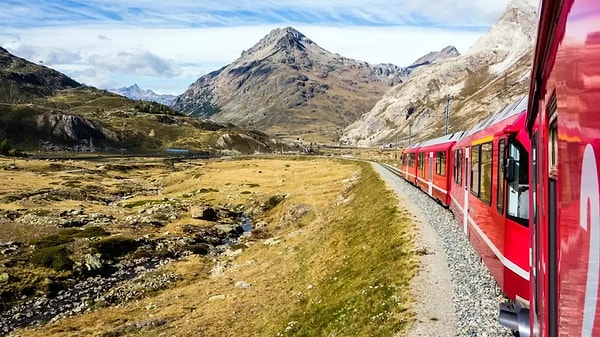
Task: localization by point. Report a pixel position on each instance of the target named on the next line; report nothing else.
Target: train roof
(509, 110)
(453, 137)
(413, 146)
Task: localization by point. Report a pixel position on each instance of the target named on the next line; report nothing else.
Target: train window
(485, 189)
(500, 190)
(411, 159)
(421, 164)
(518, 189)
(553, 150)
(458, 166)
(440, 163)
(475, 151)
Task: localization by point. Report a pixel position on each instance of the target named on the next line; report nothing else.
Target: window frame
(489, 168)
(475, 162)
(501, 188)
(440, 163)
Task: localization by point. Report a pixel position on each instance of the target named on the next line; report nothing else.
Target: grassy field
(333, 257)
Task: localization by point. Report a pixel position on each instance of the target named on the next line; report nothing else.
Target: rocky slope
(287, 85)
(137, 93)
(493, 72)
(21, 80)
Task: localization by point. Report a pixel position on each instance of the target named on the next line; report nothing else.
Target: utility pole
(409, 130)
(447, 112)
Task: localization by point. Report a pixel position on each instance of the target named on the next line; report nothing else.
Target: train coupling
(515, 317)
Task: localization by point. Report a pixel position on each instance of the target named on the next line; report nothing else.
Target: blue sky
(166, 45)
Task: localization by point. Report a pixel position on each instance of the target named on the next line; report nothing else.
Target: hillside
(21, 80)
(492, 73)
(43, 109)
(287, 85)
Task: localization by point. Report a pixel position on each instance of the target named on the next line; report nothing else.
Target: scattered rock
(204, 213)
(272, 241)
(216, 298)
(92, 262)
(242, 285)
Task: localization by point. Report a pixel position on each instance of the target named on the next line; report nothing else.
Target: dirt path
(432, 287)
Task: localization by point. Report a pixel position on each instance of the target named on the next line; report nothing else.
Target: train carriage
(489, 195)
(564, 123)
(409, 163)
(433, 166)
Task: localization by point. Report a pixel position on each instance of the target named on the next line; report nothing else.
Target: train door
(552, 246)
(430, 173)
(466, 184)
(544, 217)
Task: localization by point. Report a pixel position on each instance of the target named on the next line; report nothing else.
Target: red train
(541, 161)
(564, 125)
(487, 193)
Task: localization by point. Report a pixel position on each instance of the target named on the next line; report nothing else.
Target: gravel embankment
(473, 294)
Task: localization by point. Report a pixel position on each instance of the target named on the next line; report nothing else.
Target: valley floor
(321, 258)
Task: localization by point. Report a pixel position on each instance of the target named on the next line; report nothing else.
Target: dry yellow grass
(340, 268)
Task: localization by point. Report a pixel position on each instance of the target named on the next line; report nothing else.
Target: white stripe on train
(506, 262)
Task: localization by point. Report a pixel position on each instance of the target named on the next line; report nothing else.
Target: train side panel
(564, 123)
(492, 211)
(433, 169)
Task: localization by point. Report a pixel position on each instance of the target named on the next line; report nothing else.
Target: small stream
(108, 288)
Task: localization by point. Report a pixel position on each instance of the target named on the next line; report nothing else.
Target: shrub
(115, 246)
(56, 257)
(92, 231)
(51, 241)
(199, 248)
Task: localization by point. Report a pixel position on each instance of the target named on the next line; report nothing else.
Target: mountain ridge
(43, 109)
(490, 74)
(289, 86)
(137, 93)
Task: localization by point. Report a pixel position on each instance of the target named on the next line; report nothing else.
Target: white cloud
(175, 13)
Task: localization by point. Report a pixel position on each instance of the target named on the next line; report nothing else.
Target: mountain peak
(432, 57)
(135, 92)
(280, 39)
(450, 51)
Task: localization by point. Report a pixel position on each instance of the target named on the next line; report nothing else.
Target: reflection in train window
(485, 190)
(500, 191)
(518, 189)
(440, 163)
(458, 166)
(475, 150)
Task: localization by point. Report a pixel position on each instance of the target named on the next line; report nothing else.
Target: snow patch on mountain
(135, 92)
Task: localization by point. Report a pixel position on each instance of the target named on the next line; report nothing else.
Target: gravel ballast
(473, 295)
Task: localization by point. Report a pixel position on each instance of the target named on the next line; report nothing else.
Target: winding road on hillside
(455, 295)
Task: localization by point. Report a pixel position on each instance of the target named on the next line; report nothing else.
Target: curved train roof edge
(453, 137)
(515, 107)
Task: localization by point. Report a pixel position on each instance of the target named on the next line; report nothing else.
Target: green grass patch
(140, 203)
(56, 257)
(93, 231)
(115, 246)
(365, 262)
(52, 241)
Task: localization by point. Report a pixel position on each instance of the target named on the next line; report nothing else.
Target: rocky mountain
(434, 56)
(43, 109)
(21, 80)
(494, 71)
(287, 85)
(135, 92)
